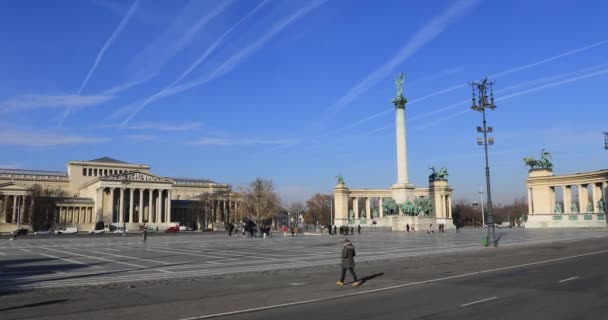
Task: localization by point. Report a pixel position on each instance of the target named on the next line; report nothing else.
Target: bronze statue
(399, 83)
(340, 179)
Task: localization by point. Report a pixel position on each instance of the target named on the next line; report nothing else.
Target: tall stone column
(5, 205)
(368, 208)
(140, 212)
(121, 210)
(168, 206)
(595, 196)
(380, 208)
(112, 204)
(157, 208)
(356, 207)
(449, 207)
(14, 209)
(402, 189)
(131, 205)
(150, 195)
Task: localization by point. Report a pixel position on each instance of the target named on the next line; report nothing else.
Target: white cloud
(31, 138)
(38, 101)
(164, 126)
(141, 137)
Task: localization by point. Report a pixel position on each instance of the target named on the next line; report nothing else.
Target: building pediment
(13, 187)
(136, 176)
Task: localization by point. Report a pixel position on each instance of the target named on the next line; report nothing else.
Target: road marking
(26, 250)
(112, 261)
(2, 253)
(283, 305)
(70, 261)
(569, 279)
(478, 301)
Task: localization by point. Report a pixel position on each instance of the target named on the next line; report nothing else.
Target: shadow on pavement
(367, 278)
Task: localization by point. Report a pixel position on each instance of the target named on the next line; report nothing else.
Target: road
(521, 279)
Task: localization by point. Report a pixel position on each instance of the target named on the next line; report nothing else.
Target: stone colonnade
(69, 213)
(598, 191)
(133, 205)
(13, 206)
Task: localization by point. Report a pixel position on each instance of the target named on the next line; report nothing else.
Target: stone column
(380, 209)
(595, 195)
(150, 194)
(368, 207)
(567, 197)
(14, 208)
(99, 204)
(131, 205)
(112, 204)
(5, 205)
(168, 215)
(140, 213)
(552, 199)
(356, 207)
(158, 206)
(121, 210)
(401, 141)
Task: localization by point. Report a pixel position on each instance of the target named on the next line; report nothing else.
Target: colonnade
(74, 214)
(134, 205)
(596, 193)
(15, 206)
(444, 209)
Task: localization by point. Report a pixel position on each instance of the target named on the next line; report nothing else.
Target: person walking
(359, 229)
(348, 262)
(144, 235)
(407, 227)
(430, 230)
(335, 230)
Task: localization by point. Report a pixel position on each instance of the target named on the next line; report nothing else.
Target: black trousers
(352, 272)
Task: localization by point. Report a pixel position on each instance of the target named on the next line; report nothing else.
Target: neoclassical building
(569, 200)
(111, 191)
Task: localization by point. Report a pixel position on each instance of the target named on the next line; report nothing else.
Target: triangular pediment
(11, 186)
(136, 176)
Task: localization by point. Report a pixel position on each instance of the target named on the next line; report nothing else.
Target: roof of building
(107, 160)
(74, 200)
(192, 180)
(34, 172)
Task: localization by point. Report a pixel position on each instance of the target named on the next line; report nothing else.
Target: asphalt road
(556, 280)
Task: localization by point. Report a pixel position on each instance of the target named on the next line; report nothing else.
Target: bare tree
(260, 201)
(319, 209)
(41, 211)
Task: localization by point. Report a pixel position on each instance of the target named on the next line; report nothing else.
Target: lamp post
(605, 140)
(481, 103)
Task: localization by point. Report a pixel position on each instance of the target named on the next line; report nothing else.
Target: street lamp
(605, 140)
(481, 103)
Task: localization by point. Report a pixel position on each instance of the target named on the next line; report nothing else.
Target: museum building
(105, 189)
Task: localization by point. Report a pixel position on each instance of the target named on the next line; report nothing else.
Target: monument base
(567, 220)
(403, 192)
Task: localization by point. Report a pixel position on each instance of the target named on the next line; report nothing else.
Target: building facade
(571, 200)
(110, 191)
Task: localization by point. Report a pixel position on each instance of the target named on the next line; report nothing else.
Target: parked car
(183, 228)
(172, 229)
(96, 231)
(67, 231)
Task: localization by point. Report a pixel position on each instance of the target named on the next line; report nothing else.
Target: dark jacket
(348, 256)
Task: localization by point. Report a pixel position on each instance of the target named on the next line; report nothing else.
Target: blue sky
(300, 91)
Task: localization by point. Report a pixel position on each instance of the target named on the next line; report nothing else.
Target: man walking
(144, 234)
(359, 229)
(348, 262)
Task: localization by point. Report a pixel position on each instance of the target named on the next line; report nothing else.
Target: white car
(99, 231)
(43, 232)
(67, 231)
(183, 228)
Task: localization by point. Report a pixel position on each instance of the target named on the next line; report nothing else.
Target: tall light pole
(481, 103)
(605, 140)
(483, 218)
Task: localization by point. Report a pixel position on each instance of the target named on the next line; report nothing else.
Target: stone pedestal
(341, 205)
(402, 192)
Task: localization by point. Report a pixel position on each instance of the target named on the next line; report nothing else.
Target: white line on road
(112, 261)
(277, 306)
(569, 279)
(70, 261)
(478, 301)
(26, 250)
(2, 253)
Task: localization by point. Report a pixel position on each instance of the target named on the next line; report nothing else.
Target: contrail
(228, 64)
(495, 75)
(429, 31)
(115, 34)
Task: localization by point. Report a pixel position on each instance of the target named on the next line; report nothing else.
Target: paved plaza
(81, 260)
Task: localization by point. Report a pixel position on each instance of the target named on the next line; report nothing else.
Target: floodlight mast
(481, 103)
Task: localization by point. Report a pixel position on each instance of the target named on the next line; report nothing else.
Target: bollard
(486, 241)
